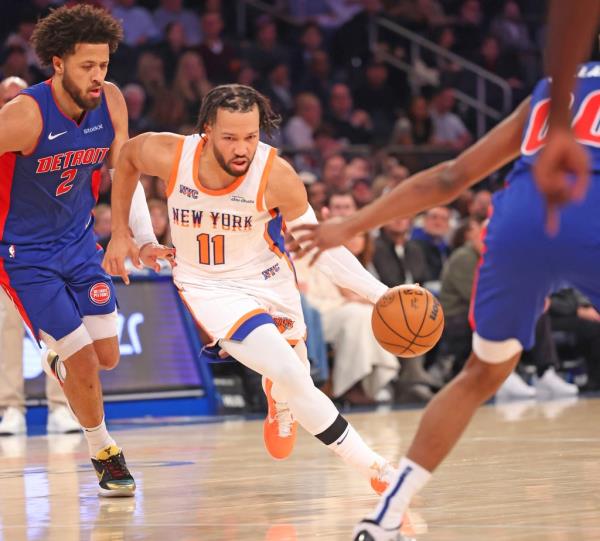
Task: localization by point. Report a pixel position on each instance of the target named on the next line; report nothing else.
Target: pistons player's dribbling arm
(152, 154)
(435, 186)
(562, 171)
(20, 125)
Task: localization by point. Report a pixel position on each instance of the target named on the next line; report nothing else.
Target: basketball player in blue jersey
(54, 138)
(562, 169)
(521, 265)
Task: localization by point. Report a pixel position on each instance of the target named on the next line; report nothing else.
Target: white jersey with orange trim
(225, 233)
(232, 270)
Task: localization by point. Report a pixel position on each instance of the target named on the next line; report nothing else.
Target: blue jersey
(521, 264)
(47, 196)
(584, 110)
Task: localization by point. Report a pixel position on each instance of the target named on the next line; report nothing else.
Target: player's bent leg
(448, 414)
(75, 365)
(313, 410)
(280, 427)
(444, 420)
(104, 334)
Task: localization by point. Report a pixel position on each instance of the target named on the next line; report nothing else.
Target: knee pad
(495, 352)
(101, 326)
(68, 345)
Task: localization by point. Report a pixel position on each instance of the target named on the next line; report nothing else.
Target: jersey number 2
(67, 184)
(218, 249)
(585, 124)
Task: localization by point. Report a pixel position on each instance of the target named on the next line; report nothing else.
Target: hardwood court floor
(523, 472)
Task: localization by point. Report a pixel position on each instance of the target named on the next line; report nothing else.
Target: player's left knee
(108, 353)
(109, 360)
(486, 378)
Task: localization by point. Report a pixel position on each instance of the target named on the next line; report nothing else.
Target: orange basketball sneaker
(279, 429)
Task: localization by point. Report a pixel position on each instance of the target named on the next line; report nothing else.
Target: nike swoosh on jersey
(52, 136)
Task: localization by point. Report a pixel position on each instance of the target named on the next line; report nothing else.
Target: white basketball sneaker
(515, 387)
(368, 530)
(60, 421)
(552, 384)
(13, 422)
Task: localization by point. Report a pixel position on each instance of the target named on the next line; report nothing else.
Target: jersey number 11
(206, 256)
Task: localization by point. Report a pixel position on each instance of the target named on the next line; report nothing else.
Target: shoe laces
(284, 418)
(116, 466)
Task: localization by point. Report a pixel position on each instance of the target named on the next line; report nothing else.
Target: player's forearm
(435, 186)
(139, 218)
(344, 270)
(571, 30)
(341, 267)
(123, 186)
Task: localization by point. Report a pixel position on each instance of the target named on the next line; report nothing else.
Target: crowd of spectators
(354, 128)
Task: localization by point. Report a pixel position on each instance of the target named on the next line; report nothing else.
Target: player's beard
(87, 104)
(225, 165)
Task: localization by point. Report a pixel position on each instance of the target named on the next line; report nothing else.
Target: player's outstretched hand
(150, 254)
(321, 237)
(561, 173)
(120, 247)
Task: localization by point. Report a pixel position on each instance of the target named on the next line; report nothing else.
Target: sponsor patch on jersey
(240, 199)
(93, 129)
(283, 323)
(100, 293)
(12, 252)
(271, 271)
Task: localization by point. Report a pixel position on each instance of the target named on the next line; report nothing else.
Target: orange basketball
(407, 321)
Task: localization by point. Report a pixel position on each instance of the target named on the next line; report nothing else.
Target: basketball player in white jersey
(229, 196)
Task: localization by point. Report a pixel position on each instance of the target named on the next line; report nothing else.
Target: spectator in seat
(317, 197)
(311, 42)
(173, 11)
(220, 58)
(265, 51)
(455, 292)
(361, 367)
(571, 312)
(480, 205)
(397, 260)
(348, 123)
(191, 83)
(171, 48)
(448, 129)
(278, 88)
(334, 169)
(379, 99)
(416, 128)
(138, 25)
(432, 241)
(135, 98)
(10, 88)
(300, 130)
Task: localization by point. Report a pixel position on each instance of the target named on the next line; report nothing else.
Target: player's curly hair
(65, 27)
(240, 99)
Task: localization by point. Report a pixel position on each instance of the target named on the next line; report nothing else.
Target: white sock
(409, 480)
(97, 438)
(353, 450)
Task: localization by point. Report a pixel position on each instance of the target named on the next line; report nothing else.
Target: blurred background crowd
(369, 91)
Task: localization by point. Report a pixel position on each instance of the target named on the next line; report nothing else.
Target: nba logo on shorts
(100, 293)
